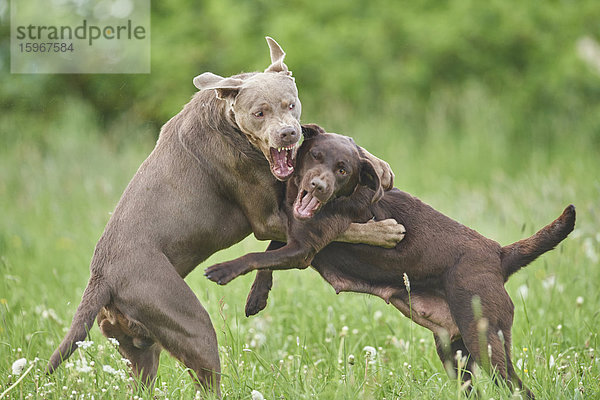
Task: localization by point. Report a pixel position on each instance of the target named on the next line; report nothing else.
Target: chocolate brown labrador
(195, 194)
(455, 277)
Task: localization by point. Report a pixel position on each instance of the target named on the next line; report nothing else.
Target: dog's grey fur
(208, 183)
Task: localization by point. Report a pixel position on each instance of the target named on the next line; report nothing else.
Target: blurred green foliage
(411, 64)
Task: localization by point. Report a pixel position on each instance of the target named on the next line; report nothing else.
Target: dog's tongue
(282, 163)
(307, 205)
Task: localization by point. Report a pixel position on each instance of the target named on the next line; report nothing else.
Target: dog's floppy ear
(369, 178)
(311, 130)
(277, 56)
(225, 87)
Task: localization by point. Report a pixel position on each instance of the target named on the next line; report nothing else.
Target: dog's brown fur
(456, 275)
(212, 179)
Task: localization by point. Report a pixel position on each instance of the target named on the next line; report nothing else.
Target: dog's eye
(342, 171)
(291, 107)
(259, 114)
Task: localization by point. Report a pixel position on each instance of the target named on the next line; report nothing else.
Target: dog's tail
(519, 254)
(95, 296)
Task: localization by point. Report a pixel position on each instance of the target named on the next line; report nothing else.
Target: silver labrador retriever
(212, 179)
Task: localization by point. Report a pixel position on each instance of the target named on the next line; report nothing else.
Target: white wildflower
(256, 395)
(18, 366)
(590, 252)
(370, 353)
(259, 339)
(458, 355)
(344, 331)
(51, 314)
(523, 291)
(113, 341)
(552, 362)
(82, 366)
(84, 344)
(549, 282)
(109, 369)
(377, 316)
(579, 300)
(351, 359)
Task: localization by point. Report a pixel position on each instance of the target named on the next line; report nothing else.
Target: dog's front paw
(256, 302)
(259, 293)
(390, 232)
(223, 273)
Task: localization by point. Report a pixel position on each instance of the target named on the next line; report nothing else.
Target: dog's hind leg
(144, 360)
(158, 299)
(456, 359)
(483, 312)
(143, 353)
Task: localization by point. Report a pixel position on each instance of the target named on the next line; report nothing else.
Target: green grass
(59, 183)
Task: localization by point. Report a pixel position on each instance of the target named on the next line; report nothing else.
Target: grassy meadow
(60, 181)
(488, 111)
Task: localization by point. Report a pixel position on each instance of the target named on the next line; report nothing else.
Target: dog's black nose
(288, 133)
(318, 184)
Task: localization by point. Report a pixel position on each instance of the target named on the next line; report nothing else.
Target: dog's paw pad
(220, 274)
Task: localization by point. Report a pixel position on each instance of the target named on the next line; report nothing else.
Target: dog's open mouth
(282, 161)
(306, 205)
